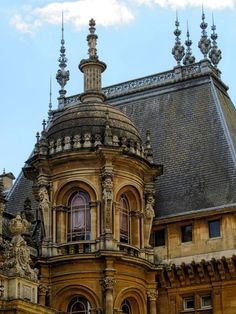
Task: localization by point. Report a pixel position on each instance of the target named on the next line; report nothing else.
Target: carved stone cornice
(215, 270)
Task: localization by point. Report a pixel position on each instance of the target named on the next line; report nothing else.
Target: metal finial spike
(215, 52)
(63, 75)
(50, 95)
(178, 49)
(189, 58)
(62, 25)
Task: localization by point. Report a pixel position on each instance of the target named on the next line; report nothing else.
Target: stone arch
(63, 297)
(136, 298)
(64, 193)
(132, 193)
(134, 197)
(62, 204)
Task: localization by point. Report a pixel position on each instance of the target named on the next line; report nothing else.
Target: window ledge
(215, 238)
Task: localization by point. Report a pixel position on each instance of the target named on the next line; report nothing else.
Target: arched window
(79, 220)
(126, 308)
(124, 219)
(79, 305)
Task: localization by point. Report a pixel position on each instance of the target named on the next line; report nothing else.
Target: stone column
(42, 294)
(152, 297)
(2, 205)
(108, 285)
(135, 228)
(61, 223)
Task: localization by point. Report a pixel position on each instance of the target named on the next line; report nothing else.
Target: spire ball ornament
(63, 75)
(204, 43)
(215, 52)
(189, 58)
(178, 49)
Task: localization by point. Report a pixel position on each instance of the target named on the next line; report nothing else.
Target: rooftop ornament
(215, 52)
(63, 75)
(204, 43)
(178, 49)
(189, 58)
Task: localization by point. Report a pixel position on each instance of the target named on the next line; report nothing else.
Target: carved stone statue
(17, 254)
(149, 214)
(44, 205)
(107, 195)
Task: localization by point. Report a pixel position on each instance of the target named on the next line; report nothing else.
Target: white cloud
(78, 13)
(175, 4)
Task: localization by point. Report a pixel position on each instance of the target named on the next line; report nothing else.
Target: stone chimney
(7, 180)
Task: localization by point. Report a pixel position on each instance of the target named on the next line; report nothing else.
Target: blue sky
(135, 40)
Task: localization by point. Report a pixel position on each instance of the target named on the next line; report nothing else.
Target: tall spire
(215, 52)
(189, 58)
(63, 75)
(205, 43)
(92, 69)
(178, 49)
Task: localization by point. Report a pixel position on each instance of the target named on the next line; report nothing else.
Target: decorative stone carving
(67, 143)
(77, 141)
(149, 214)
(17, 254)
(107, 195)
(44, 205)
(108, 283)
(152, 294)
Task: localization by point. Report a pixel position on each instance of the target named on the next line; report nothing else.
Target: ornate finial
(107, 132)
(92, 40)
(148, 148)
(189, 58)
(205, 43)
(178, 49)
(50, 101)
(63, 75)
(215, 52)
(37, 137)
(44, 125)
(92, 69)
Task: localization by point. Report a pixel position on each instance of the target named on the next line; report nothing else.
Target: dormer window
(79, 217)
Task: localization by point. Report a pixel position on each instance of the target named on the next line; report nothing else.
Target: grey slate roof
(21, 190)
(193, 130)
(193, 134)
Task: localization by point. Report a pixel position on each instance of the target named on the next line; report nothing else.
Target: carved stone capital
(152, 294)
(43, 289)
(108, 283)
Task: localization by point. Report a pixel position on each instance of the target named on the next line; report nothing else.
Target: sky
(135, 39)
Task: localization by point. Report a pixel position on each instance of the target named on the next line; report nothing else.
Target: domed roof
(92, 118)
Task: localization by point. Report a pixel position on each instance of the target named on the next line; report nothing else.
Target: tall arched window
(79, 219)
(126, 308)
(79, 305)
(124, 219)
